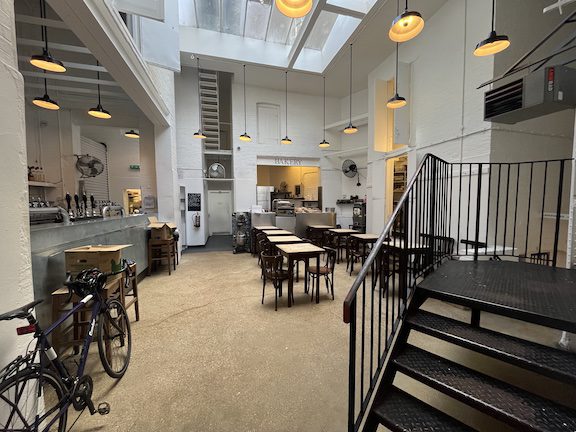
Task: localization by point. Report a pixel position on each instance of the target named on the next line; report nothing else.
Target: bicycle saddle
(21, 312)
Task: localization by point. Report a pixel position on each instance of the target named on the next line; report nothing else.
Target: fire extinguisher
(196, 220)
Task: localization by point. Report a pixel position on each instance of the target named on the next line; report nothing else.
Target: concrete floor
(207, 356)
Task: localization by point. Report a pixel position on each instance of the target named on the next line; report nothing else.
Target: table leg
(290, 280)
(306, 275)
(318, 278)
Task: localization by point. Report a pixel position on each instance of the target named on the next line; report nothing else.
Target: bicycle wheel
(114, 339)
(20, 403)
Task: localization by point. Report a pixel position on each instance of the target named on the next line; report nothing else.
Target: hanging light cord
(43, 27)
(244, 98)
(493, 10)
(397, 44)
(45, 86)
(199, 101)
(406, 4)
(98, 84)
(286, 103)
(324, 126)
(350, 83)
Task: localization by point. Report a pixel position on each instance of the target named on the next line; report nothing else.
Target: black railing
(475, 210)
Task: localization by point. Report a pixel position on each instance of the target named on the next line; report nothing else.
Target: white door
(220, 212)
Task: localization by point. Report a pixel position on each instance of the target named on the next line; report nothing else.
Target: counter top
(81, 222)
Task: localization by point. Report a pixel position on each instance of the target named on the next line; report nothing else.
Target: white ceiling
(371, 47)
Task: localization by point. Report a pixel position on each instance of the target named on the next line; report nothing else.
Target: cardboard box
(107, 258)
(161, 230)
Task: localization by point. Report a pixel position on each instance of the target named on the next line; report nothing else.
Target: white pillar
(15, 265)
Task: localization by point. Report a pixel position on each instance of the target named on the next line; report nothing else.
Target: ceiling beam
(53, 46)
(27, 19)
(304, 32)
(68, 77)
(341, 10)
(72, 65)
(78, 90)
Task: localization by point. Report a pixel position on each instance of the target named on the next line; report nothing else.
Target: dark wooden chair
(542, 258)
(273, 271)
(355, 252)
(326, 271)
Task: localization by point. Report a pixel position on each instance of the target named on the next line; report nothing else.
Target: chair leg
(263, 288)
(326, 280)
(332, 285)
(275, 296)
(297, 271)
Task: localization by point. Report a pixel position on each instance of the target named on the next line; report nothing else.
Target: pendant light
(324, 144)
(396, 101)
(131, 134)
(45, 101)
(350, 129)
(286, 140)
(99, 112)
(494, 44)
(45, 60)
(406, 26)
(294, 8)
(199, 134)
(245, 137)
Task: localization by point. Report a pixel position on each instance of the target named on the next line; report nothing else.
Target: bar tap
(69, 206)
(77, 201)
(85, 202)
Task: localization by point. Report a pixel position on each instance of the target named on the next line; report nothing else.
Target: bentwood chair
(355, 252)
(326, 271)
(272, 271)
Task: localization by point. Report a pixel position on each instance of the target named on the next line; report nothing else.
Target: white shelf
(218, 179)
(349, 152)
(359, 120)
(41, 184)
(218, 152)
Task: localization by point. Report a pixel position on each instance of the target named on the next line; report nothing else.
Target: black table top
(535, 293)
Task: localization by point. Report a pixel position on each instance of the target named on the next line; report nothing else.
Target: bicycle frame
(46, 348)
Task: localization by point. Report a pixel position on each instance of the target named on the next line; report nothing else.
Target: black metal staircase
(482, 209)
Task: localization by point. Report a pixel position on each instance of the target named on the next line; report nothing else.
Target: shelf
(359, 120)
(218, 152)
(218, 179)
(41, 184)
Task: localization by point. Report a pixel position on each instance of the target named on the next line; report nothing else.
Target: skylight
(256, 31)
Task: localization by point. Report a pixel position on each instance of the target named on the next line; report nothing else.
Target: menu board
(194, 202)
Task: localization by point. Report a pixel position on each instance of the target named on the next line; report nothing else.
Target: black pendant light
(45, 60)
(396, 101)
(494, 44)
(199, 134)
(132, 134)
(350, 129)
(245, 137)
(324, 144)
(286, 140)
(45, 101)
(406, 26)
(98, 111)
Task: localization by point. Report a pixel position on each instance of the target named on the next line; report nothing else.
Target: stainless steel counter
(49, 241)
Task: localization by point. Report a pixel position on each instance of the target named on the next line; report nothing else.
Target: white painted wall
(15, 267)
(446, 109)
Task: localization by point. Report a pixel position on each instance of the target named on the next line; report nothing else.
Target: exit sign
(135, 167)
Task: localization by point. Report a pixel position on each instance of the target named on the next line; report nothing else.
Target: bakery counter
(49, 241)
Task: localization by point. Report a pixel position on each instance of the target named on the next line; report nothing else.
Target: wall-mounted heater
(542, 92)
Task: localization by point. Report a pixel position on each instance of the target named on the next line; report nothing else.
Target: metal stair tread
(401, 412)
(548, 361)
(512, 405)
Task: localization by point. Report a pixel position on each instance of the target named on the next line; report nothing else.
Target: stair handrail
(383, 235)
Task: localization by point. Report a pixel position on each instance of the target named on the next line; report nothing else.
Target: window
(268, 123)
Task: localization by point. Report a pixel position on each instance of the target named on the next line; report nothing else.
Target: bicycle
(36, 389)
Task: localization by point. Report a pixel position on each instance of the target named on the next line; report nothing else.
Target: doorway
(219, 212)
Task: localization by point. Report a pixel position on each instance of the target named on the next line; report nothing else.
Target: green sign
(134, 167)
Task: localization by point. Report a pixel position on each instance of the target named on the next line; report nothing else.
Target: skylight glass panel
(279, 27)
(208, 14)
(257, 17)
(295, 28)
(187, 11)
(321, 30)
(233, 15)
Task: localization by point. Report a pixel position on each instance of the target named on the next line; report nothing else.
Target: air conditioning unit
(539, 93)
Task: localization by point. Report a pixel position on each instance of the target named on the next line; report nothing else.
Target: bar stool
(160, 250)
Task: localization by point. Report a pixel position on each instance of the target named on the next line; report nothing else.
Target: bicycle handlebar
(89, 281)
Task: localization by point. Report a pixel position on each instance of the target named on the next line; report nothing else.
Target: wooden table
(296, 252)
(277, 232)
(341, 232)
(285, 239)
(321, 227)
(253, 233)
(365, 239)
(265, 227)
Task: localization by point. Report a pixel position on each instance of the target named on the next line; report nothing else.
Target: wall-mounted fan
(89, 166)
(216, 170)
(349, 168)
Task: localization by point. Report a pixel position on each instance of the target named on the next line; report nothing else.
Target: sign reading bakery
(287, 161)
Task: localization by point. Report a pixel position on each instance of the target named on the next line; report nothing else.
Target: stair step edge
(548, 361)
(400, 411)
(503, 401)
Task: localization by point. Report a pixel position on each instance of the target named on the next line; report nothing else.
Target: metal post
(558, 210)
(478, 202)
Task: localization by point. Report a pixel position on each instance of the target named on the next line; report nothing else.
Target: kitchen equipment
(44, 215)
(359, 216)
(241, 232)
(283, 207)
